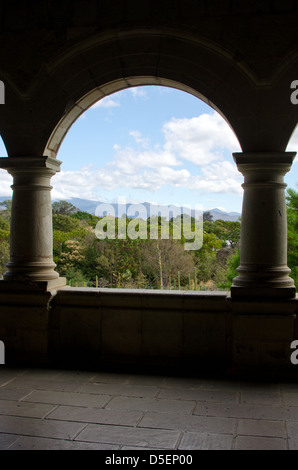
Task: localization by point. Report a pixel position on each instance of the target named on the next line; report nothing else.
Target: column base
(263, 292)
(272, 282)
(10, 285)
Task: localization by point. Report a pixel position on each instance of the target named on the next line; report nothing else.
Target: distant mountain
(218, 214)
(90, 206)
(87, 205)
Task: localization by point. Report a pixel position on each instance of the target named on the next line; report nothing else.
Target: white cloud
(221, 177)
(131, 161)
(191, 156)
(293, 143)
(137, 136)
(106, 102)
(200, 140)
(5, 183)
(138, 92)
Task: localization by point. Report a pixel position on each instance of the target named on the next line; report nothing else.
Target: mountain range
(90, 206)
(87, 205)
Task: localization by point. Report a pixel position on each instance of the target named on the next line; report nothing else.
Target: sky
(151, 144)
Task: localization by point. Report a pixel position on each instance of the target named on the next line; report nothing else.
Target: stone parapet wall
(156, 331)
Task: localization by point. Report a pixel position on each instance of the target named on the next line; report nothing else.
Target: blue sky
(153, 144)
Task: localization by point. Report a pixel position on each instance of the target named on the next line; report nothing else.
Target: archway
(190, 164)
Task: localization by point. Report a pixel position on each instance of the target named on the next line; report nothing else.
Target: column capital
(274, 163)
(29, 163)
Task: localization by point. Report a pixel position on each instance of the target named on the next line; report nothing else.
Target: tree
(4, 256)
(292, 213)
(163, 259)
(207, 216)
(64, 223)
(63, 208)
(5, 212)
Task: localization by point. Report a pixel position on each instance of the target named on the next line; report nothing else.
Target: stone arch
(99, 93)
(116, 61)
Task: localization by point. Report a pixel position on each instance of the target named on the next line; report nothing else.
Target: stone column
(31, 239)
(263, 270)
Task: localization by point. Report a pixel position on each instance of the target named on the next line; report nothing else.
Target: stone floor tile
(201, 384)
(289, 386)
(290, 398)
(123, 435)
(37, 443)
(126, 379)
(260, 397)
(8, 374)
(292, 429)
(260, 443)
(30, 410)
(183, 382)
(119, 389)
(151, 404)
(39, 428)
(265, 428)
(293, 443)
(260, 386)
(68, 398)
(77, 376)
(205, 441)
(7, 440)
(187, 422)
(44, 384)
(96, 415)
(200, 395)
(151, 380)
(273, 412)
(14, 394)
(41, 374)
(109, 378)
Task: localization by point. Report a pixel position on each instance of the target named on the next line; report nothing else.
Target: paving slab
(201, 395)
(68, 398)
(96, 415)
(14, 394)
(261, 397)
(37, 443)
(290, 398)
(265, 428)
(30, 410)
(39, 428)
(273, 412)
(123, 435)
(202, 384)
(7, 440)
(151, 404)
(205, 441)
(119, 389)
(260, 443)
(292, 429)
(44, 384)
(126, 379)
(187, 422)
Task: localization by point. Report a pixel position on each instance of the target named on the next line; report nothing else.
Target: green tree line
(147, 263)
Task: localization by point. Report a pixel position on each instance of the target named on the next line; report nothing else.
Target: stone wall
(156, 331)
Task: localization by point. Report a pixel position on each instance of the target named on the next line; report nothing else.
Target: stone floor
(65, 410)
